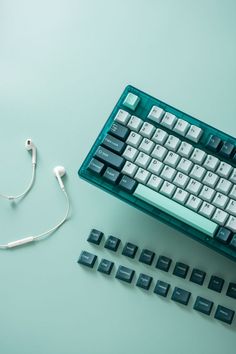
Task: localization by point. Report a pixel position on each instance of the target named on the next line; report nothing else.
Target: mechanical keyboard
(170, 165)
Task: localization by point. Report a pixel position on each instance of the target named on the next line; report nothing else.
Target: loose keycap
(95, 236)
(203, 305)
(146, 257)
(87, 259)
(163, 263)
(125, 274)
(224, 314)
(197, 276)
(231, 291)
(180, 295)
(105, 266)
(130, 250)
(181, 270)
(112, 243)
(161, 288)
(216, 283)
(144, 281)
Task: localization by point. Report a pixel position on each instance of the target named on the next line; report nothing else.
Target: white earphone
(59, 172)
(29, 145)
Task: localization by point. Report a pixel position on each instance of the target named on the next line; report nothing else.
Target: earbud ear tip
(59, 170)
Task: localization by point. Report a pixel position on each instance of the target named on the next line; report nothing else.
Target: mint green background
(63, 65)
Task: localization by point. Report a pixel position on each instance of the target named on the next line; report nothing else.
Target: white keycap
(231, 223)
(155, 166)
(194, 133)
(122, 117)
(231, 207)
(220, 200)
(159, 136)
(142, 175)
(156, 114)
(147, 130)
(130, 153)
(142, 160)
(223, 186)
(180, 195)
(211, 162)
(224, 169)
(232, 177)
(207, 193)
(129, 169)
(181, 127)
(181, 180)
(172, 159)
(232, 193)
(193, 202)
(185, 165)
(194, 186)
(198, 156)
(167, 189)
(172, 143)
(207, 209)
(168, 120)
(155, 182)
(159, 152)
(197, 172)
(210, 179)
(168, 173)
(185, 149)
(134, 139)
(146, 146)
(135, 123)
(220, 217)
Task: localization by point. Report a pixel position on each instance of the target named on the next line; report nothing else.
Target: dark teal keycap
(95, 236)
(231, 291)
(114, 144)
(223, 235)
(105, 266)
(203, 305)
(128, 184)
(216, 283)
(161, 288)
(226, 149)
(146, 256)
(197, 276)
(144, 281)
(119, 131)
(109, 158)
(180, 295)
(125, 274)
(87, 259)
(112, 243)
(181, 270)
(163, 263)
(96, 166)
(111, 175)
(129, 250)
(224, 314)
(213, 143)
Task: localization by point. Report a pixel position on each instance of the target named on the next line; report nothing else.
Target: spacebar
(176, 210)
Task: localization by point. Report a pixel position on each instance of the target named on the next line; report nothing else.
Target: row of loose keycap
(181, 270)
(162, 288)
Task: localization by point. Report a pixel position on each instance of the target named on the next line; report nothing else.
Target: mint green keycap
(176, 210)
(131, 101)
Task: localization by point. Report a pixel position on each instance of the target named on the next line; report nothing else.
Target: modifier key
(109, 158)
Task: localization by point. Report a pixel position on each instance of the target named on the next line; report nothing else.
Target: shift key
(109, 158)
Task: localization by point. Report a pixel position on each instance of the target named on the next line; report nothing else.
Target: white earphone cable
(43, 234)
(28, 188)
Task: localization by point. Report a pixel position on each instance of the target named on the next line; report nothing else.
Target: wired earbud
(29, 145)
(59, 172)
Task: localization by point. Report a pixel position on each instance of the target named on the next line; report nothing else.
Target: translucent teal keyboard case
(142, 110)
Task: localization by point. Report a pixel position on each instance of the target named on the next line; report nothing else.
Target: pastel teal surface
(63, 65)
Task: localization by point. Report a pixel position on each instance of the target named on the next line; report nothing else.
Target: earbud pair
(59, 172)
